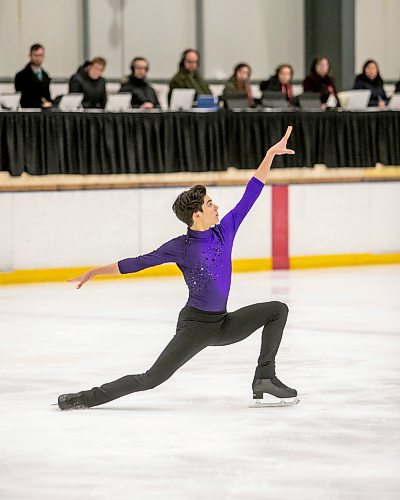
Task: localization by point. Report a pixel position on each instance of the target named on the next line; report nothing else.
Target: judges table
(50, 142)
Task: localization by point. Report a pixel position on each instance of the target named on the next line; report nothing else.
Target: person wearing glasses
(143, 94)
(188, 76)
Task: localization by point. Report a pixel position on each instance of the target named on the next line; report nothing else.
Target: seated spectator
(33, 82)
(371, 79)
(143, 94)
(187, 76)
(320, 80)
(88, 80)
(238, 84)
(280, 82)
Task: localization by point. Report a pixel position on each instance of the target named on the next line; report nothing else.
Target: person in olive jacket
(88, 80)
(33, 82)
(188, 77)
(370, 79)
(143, 94)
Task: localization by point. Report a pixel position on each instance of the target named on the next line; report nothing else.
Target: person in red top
(320, 80)
(280, 82)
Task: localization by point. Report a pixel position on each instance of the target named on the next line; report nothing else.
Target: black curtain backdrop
(47, 142)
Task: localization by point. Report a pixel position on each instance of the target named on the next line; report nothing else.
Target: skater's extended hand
(81, 279)
(280, 147)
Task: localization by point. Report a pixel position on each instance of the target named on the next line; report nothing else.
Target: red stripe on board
(280, 227)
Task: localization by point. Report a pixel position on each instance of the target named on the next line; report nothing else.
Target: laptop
(10, 102)
(237, 103)
(310, 101)
(354, 99)
(182, 99)
(207, 102)
(70, 102)
(394, 102)
(119, 102)
(274, 99)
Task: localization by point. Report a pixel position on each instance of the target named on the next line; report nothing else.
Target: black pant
(196, 330)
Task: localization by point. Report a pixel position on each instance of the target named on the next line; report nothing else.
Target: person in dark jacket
(280, 82)
(188, 77)
(143, 94)
(238, 84)
(33, 82)
(88, 80)
(370, 79)
(320, 80)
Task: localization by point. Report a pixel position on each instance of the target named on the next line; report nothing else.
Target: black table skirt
(110, 143)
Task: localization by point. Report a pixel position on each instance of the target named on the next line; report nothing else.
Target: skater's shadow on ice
(135, 408)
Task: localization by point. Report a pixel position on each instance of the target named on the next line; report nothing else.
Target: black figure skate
(73, 401)
(269, 392)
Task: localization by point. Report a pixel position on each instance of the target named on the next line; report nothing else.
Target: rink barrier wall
(53, 236)
(362, 259)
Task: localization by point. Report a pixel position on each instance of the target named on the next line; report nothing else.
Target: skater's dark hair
(188, 203)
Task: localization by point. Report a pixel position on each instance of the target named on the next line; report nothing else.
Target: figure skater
(203, 255)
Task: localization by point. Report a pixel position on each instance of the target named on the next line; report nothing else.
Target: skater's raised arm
(279, 148)
(96, 271)
(232, 220)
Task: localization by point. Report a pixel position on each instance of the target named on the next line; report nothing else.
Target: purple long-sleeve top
(204, 257)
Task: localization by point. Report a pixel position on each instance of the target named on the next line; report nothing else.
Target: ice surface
(194, 437)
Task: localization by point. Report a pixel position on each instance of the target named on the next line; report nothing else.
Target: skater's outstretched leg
(179, 350)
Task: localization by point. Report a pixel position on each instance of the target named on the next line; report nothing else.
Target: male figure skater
(203, 255)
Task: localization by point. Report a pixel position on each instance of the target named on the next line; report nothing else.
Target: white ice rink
(194, 437)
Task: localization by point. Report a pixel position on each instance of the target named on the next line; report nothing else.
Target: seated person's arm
(74, 86)
(19, 84)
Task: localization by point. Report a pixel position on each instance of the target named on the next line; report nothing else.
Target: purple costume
(204, 257)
